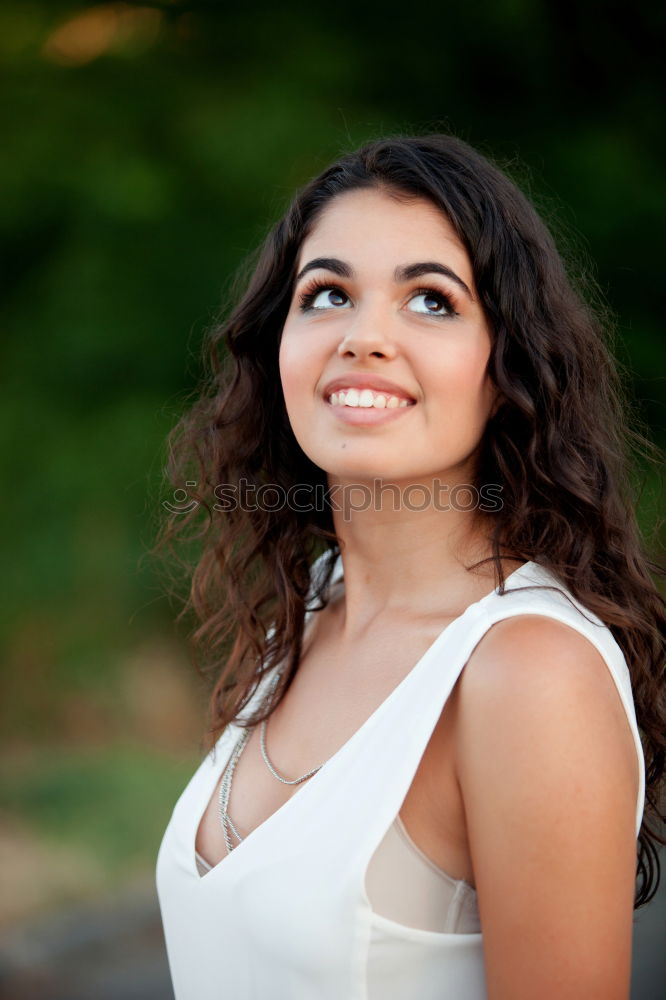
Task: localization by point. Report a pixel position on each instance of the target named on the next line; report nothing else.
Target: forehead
(372, 223)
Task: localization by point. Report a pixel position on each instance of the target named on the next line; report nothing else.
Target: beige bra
(404, 885)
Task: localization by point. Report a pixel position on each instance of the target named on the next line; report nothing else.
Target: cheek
(460, 373)
(297, 370)
(288, 359)
(463, 394)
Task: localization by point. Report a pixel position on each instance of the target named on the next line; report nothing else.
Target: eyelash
(309, 294)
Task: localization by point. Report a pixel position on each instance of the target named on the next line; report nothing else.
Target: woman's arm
(548, 773)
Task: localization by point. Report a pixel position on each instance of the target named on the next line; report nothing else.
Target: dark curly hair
(561, 443)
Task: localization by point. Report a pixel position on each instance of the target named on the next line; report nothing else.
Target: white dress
(287, 915)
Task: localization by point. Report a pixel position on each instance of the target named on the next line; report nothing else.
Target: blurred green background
(146, 149)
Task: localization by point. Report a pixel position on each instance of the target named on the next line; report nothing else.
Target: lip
(359, 380)
(367, 416)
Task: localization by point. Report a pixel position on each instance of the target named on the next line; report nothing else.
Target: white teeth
(366, 399)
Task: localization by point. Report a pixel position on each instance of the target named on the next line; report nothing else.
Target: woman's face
(385, 312)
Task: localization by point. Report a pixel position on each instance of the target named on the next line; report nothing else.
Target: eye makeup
(310, 292)
(308, 295)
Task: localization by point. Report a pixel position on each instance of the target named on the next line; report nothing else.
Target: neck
(401, 559)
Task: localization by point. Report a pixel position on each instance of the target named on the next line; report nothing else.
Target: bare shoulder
(529, 661)
(544, 682)
(547, 771)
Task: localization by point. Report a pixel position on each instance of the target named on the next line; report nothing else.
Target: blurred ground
(81, 820)
(109, 950)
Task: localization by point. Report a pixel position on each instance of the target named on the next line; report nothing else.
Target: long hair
(560, 444)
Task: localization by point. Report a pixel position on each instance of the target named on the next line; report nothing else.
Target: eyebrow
(405, 273)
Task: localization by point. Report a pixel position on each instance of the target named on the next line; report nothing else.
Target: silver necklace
(264, 754)
(225, 790)
(226, 822)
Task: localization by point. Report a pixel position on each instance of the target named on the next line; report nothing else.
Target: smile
(366, 399)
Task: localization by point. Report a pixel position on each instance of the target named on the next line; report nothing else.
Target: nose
(367, 336)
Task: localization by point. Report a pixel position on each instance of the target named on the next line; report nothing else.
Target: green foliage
(112, 803)
(148, 147)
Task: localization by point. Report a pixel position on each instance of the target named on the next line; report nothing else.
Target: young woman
(432, 624)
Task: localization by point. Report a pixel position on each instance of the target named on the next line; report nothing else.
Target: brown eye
(430, 303)
(329, 298)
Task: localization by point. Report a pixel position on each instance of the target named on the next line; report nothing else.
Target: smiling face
(385, 347)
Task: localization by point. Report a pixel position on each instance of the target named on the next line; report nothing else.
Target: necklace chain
(226, 822)
(264, 754)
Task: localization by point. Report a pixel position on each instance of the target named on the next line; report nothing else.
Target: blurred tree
(149, 146)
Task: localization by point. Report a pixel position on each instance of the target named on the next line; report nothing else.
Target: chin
(365, 471)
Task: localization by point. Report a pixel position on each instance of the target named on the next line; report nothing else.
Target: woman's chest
(329, 700)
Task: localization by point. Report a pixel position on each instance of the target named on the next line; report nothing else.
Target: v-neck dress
(404, 884)
(286, 915)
